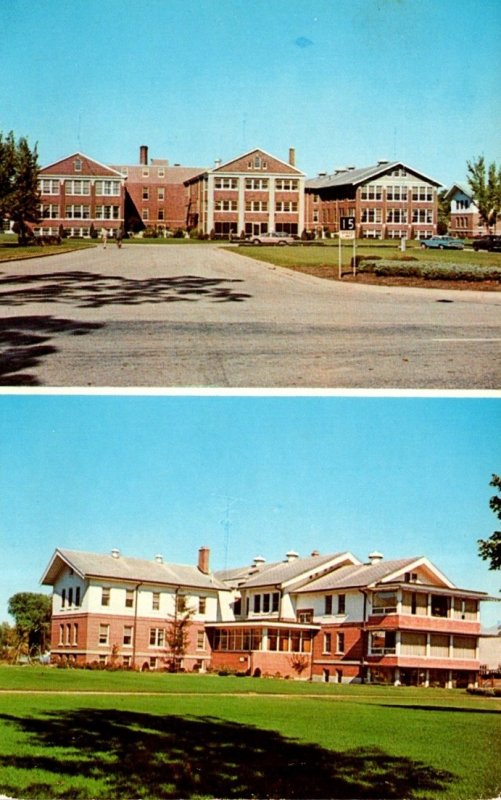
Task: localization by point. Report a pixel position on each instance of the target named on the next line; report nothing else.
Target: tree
(485, 184)
(490, 549)
(444, 212)
(32, 614)
(7, 641)
(177, 635)
(19, 195)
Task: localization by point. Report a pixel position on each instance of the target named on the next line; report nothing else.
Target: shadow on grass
(25, 341)
(448, 709)
(149, 756)
(92, 290)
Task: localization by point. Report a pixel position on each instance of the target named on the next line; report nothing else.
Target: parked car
(274, 238)
(488, 242)
(443, 243)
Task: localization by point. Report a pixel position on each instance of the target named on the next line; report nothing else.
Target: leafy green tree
(485, 184)
(177, 635)
(32, 615)
(19, 196)
(7, 641)
(490, 549)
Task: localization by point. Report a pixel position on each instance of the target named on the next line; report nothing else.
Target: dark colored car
(489, 242)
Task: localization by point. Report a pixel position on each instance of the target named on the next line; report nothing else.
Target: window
(157, 637)
(104, 634)
(77, 187)
(464, 646)
(225, 183)
(396, 193)
(256, 205)
(200, 640)
(77, 211)
(422, 193)
(256, 184)
(160, 193)
(202, 604)
(161, 214)
(286, 184)
(257, 603)
(48, 186)
(286, 205)
(155, 601)
(68, 633)
(237, 606)
(70, 596)
(145, 173)
(107, 212)
(108, 188)
(105, 596)
(161, 172)
(328, 604)
(145, 214)
(340, 643)
(127, 637)
(77, 596)
(63, 598)
(384, 602)
(49, 211)
(341, 604)
(327, 643)
(422, 215)
(61, 634)
(371, 215)
(77, 165)
(396, 215)
(146, 193)
(275, 599)
(439, 605)
(412, 644)
(371, 191)
(75, 633)
(266, 603)
(382, 642)
(305, 616)
(225, 205)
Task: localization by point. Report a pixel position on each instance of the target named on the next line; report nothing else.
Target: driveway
(204, 316)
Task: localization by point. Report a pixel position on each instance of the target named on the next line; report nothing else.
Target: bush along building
(321, 617)
(388, 200)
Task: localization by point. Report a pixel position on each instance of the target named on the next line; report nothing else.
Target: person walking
(104, 237)
(119, 235)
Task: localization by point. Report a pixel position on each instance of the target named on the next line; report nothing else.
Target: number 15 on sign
(347, 230)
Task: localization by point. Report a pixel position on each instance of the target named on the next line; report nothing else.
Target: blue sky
(345, 82)
(247, 476)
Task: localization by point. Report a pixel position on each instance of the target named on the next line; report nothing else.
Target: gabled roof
(284, 572)
(234, 164)
(355, 177)
(89, 167)
(374, 575)
(459, 187)
(123, 568)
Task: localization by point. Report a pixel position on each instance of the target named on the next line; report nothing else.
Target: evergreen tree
(485, 184)
(177, 636)
(19, 196)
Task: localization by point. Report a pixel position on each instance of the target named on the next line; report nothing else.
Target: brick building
(252, 194)
(321, 617)
(464, 216)
(155, 194)
(78, 194)
(387, 200)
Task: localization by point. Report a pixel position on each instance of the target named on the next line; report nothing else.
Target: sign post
(347, 230)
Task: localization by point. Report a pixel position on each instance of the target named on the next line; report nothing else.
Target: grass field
(79, 734)
(11, 251)
(323, 261)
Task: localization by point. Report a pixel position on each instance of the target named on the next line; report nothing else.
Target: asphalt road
(203, 316)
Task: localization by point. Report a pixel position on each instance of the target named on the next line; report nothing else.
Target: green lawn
(209, 736)
(11, 251)
(323, 260)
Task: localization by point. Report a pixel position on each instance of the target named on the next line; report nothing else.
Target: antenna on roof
(226, 523)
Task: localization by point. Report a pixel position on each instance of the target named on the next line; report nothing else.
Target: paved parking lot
(204, 316)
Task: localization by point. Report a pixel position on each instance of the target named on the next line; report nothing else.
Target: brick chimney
(143, 155)
(203, 560)
(292, 156)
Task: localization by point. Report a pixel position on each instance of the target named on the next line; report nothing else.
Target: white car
(274, 238)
